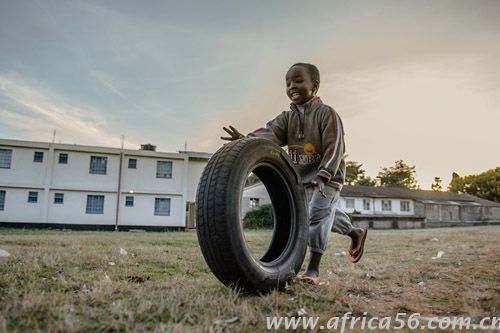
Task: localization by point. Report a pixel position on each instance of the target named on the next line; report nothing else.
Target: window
(95, 204)
(58, 198)
(386, 205)
(2, 200)
(366, 204)
(254, 202)
(33, 197)
(162, 206)
(5, 158)
(38, 157)
(405, 206)
(129, 201)
(349, 203)
(132, 163)
(98, 165)
(163, 169)
(63, 158)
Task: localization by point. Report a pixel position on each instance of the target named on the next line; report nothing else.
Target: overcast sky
(412, 80)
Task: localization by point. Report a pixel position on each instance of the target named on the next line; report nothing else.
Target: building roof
(418, 195)
(103, 150)
(424, 196)
(258, 184)
(196, 154)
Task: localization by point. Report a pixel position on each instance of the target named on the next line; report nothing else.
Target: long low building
(394, 207)
(78, 186)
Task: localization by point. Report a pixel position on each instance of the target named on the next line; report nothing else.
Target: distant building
(254, 196)
(77, 186)
(393, 207)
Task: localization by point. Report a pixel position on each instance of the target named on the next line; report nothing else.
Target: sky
(411, 80)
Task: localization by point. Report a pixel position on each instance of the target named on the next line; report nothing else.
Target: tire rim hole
(268, 228)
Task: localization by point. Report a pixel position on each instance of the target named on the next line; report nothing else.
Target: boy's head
(302, 82)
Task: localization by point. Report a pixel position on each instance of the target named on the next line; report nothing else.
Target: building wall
(18, 209)
(143, 178)
(23, 171)
(471, 213)
(442, 212)
(73, 210)
(432, 212)
(491, 213)
(195, 169)
(376, 206)
(419, 208)
(76, 175)
(256, 191)
(143, 211)
(450, 213)
(358, 205)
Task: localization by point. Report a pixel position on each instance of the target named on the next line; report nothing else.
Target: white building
(96, 187)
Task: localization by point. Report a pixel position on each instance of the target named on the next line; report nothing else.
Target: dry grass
(62, 281)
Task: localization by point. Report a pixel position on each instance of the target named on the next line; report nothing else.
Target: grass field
(68, 281)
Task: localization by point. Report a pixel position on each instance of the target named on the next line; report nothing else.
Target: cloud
(107, 81)
(35, 112)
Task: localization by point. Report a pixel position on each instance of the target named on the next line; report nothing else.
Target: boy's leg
(321, 218)
(342, 225)
(321, 215)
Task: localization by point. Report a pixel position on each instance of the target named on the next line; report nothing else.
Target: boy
(314, 134)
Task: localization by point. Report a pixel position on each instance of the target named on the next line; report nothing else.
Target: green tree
(399, 175)
(485, 185)
(436, 185)
(456, 184)
(355, 175)
(367, 181)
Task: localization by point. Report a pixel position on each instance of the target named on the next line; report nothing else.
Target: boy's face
(299, 86)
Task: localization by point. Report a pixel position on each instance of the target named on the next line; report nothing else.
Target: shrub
(260, 218)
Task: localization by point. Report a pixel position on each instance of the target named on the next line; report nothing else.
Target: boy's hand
(320, 183)
(235, 134)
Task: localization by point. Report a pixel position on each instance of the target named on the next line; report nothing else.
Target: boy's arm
(333, 144)
(276, 130)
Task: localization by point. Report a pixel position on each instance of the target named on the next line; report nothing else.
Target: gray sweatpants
(324, 216)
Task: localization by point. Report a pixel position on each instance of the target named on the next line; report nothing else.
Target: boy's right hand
(235, 134)
(317, 182)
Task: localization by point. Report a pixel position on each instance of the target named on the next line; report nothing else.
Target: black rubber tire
(218, 219)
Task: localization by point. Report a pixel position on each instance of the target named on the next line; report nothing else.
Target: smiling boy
(314, 135)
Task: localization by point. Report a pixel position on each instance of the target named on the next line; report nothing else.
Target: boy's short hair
(311, 70)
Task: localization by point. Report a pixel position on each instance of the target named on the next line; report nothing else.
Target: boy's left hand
(235, 134)
(320, 183)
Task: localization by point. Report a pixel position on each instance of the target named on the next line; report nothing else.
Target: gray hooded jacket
(315, 140)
